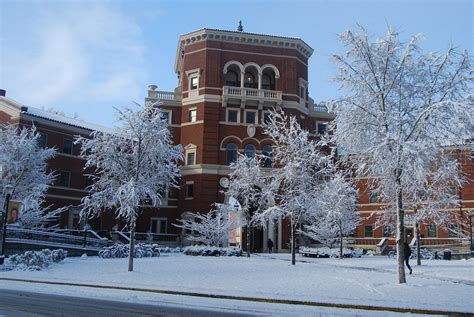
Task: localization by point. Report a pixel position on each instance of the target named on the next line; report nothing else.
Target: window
(249, 80)
(387, 230)
(89, 180)
(373, 198)
(250, 116)
(63, 179)
(368, 231)
(192, 115)
(67, 146)
(189, 190)
(159, 225)
(231, 153)
(267, 118)
(321, 128)
(166, 116)
(250, 150)
(453, 230)
(191, 158)
(42, 140)
(302, 94)
(430, 231)
(233, 115)
(231, 79)
(266, 82)
(194, 83)
(267, 155)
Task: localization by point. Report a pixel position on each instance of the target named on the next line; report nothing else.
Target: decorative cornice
(242, 38)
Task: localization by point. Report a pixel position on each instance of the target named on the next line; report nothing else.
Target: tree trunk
(340, 243)
(293, 238)
(418, 244)
(248, 239)
(132, 245)
(400, 233)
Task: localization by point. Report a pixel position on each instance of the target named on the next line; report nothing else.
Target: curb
(253, 299)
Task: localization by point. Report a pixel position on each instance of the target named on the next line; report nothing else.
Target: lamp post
(8, 195)
(471, 214)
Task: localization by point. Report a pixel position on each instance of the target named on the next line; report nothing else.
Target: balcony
(163, 95)
(259, 95)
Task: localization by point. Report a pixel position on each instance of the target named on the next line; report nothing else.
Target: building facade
(227, 84)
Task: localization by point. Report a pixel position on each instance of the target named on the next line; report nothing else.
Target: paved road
(15, 303)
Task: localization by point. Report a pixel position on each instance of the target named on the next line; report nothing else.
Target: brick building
(227, 83)
(59, 132)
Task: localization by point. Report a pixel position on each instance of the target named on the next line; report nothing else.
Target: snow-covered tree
(334, 212)
(23, 164)
(212, 228)
(134, 166)
(400, 111)
(250, 187)
(302, 165)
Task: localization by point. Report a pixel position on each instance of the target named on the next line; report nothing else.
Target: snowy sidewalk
(441, 286)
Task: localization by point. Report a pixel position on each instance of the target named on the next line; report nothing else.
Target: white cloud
(72, 52)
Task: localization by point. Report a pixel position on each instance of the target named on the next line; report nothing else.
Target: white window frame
(186, 189)
(193, 73)
(191, 148)
(170, 114)
(190, 117)
(227, 114)
(159, 220)
(256, 116)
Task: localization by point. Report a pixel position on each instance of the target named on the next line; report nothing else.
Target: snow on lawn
(436, 285)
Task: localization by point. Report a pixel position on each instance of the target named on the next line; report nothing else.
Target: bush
(326, 252)
(120, 250)
(36, 260)
(212, 251)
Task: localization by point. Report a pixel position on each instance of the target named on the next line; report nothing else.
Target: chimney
(152, 87)
(3, 92)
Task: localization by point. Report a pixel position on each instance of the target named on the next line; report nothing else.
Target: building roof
(243, 38)
(21, 109)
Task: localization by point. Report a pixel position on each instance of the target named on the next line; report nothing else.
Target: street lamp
(471, 214)
(8, 195)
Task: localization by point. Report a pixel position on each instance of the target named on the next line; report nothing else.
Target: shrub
(36, 260)
(326, 252)
(212, 251)
(120, 250)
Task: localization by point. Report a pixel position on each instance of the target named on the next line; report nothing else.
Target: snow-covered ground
(436, 285)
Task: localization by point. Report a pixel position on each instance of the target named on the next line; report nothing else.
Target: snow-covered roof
(43, 114)
(65, 120)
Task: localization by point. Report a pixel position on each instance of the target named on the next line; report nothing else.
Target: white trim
(191, 148)
(245, 116)
(170, 115)
(158, 226)
(193, 74)
(191, 123)
(227, 115)
(192, 118)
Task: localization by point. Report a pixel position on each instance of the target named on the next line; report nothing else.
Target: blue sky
(86, 57)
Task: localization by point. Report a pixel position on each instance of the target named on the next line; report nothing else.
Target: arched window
(267, 156)
(231, 79)
(249, 80)
(266, 82)
(250, 150)
(231, 153)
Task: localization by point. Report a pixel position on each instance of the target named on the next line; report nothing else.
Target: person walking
(407, 253)
(270, 245)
